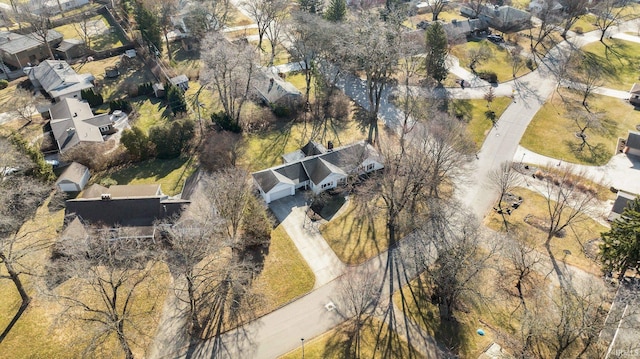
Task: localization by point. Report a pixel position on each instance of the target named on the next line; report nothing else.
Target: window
(370, 167)
(327, 185)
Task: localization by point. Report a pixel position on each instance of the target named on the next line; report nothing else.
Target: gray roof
(458, 28)
(312, 148)
(73, 173)
(272, 88)
(73, 122)
(316, 168)
(58, 78)
(68, 44)
(123, 191)
(622, 201)
(633, 140)
(635, 89)
(17, 43)
(180, 79)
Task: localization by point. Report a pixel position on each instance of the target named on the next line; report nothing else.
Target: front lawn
(577, 247)
(355, 236)
(498, 63)
(170, 174)
(619, 60)
(474, 112)
(552, 134)
(585, 24)
(283, 257)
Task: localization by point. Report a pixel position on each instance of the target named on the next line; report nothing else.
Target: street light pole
(302, 340)
(522, 159)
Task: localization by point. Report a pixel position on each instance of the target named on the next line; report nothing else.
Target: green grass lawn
(551, 126)
(586, 23)
(264, 149)
(575, 241)
(99, 42)
(474, 112)
(498, 63)
(286, 275)
(334, 344)
(619, 60)
(170, 174)
(355, 237)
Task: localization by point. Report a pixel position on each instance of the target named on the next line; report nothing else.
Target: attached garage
(273, 185)
(280, 193)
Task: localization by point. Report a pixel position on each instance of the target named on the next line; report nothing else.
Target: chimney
(330, 145)
(60, 66)
(75, 114)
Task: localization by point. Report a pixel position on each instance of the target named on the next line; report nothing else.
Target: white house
(59, 80)
(74, 178)
(633, 144)
(317, 171)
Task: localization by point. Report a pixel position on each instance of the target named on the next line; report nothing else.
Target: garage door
(67, 187)
(280, 194)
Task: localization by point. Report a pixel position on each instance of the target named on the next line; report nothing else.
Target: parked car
(53, 163)
(495, 38)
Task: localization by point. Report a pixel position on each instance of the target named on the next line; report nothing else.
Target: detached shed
(633, 144)
(71, 48)
(182, 81)
(74, 178)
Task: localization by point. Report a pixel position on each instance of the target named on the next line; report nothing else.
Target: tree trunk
(196, 328)
(166, 40)
(15, 278)
(128, 354)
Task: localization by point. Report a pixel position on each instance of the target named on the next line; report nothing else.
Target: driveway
(305, 234)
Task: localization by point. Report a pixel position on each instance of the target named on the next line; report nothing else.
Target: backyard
(552, 125)
(102, 36)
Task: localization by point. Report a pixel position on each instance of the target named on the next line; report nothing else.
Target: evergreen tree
(620, 250)
(137, 143)
(175, 98)
(149, 26)
(337, 10)
(436, 52)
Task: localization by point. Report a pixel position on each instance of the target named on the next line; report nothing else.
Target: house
(126, 205)
(74, 178)
(71, 49)
(621, 202)
(634, 95)
(73, 122)
(158, 90)
(181, 81)
(633, 144)
(59, 80)
(457, 29)
(316, 171)
(272, 89)
(19, 50)
(504, 18)
(54, 7)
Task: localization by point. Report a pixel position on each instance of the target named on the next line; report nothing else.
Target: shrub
(3, 84)
(489, 76)
(579, 30)
(280, 110)
(530, 64)
(92, 97)
(122, 105)
(224, 121)
(42, 170)
(175, 99)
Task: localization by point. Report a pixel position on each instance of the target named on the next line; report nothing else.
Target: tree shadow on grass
(13, 321)
(150, 169)
(276, 144)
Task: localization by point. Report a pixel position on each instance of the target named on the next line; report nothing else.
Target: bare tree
(521, 262)
(357, 299)
(436, 7)
(229, 69)
(587, 73)
(274, 32)
(25, 104)
(112, 279)
(38, 17)
(265, 13)
(21, 196)
(165, 9)
(585, 120)
(477, 6)
(504, 180)
(609, 13)
(572, 11)
(540, 35)
(83, 28)
(478, 55)
(204, 17)
(515, 60)
(368, 45)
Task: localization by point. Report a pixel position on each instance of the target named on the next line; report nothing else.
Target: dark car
(495, 38)
(423, 25)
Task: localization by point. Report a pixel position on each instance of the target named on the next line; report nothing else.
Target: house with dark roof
(316, 171)
(59, 80)
(21, 50)
(272, 89)
(634, 95)
(633, 144)
(504, 18)
(73, 122)
(71, 49)
(73, 178)
(126, 205)
(621, 202)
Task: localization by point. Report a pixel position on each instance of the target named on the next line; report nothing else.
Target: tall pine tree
(149, 26)
(337, 10)
(436, 52)
(620, 250)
